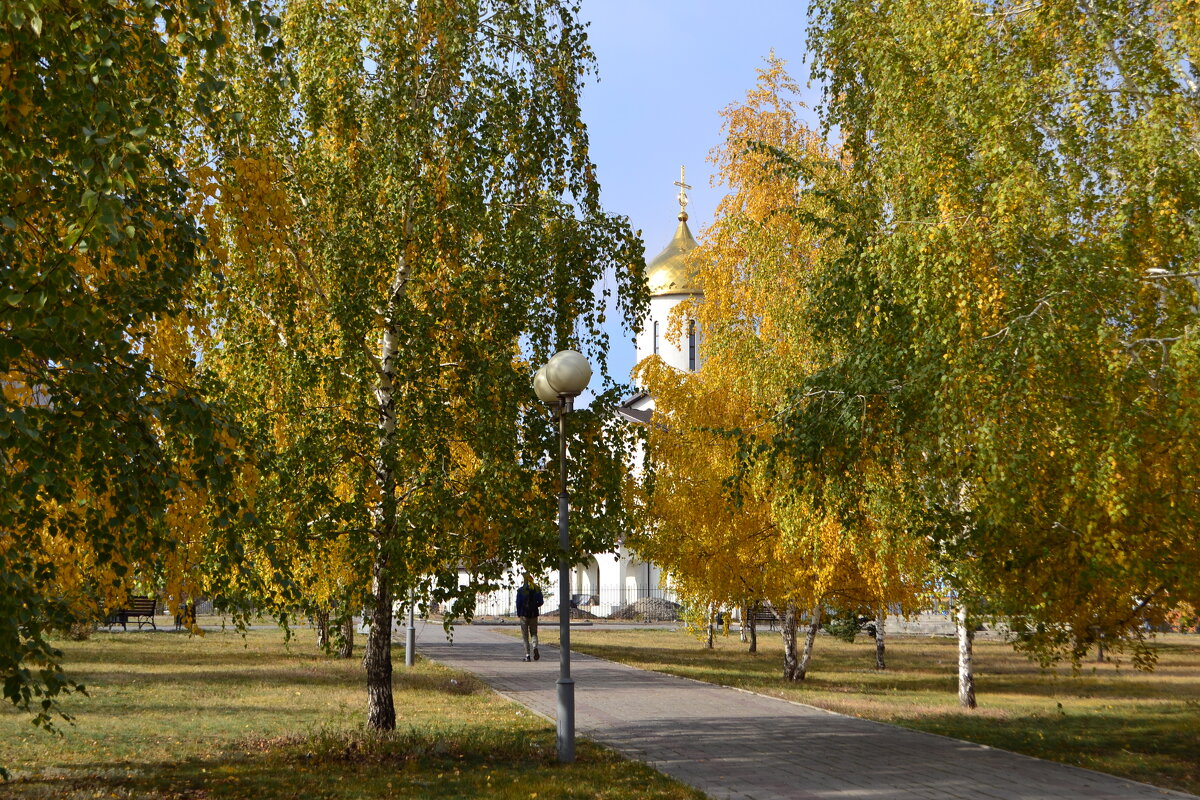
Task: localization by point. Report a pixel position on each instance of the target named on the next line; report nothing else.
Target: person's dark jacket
(529, 600)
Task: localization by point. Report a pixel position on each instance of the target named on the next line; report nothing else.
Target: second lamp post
(559, 382)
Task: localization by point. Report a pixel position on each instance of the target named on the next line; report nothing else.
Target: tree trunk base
(381, 710)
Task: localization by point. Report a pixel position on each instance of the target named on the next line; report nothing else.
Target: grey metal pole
(566, 685)
(410, 636)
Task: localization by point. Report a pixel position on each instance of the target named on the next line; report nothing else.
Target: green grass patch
(221, 717)
(1109, 717)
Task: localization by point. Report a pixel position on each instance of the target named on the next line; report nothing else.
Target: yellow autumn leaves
(731, 526)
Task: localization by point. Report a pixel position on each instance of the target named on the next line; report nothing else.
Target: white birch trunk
(880, 616)
(346, 648)
(381, 709)
(321, 622)
(966, 673)
(787, 629)
(814, 624)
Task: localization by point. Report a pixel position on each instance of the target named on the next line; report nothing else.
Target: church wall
(660, 309)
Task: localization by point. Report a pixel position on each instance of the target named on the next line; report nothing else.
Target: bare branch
(1043, 302)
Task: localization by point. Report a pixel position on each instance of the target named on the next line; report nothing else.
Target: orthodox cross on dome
(682, 197)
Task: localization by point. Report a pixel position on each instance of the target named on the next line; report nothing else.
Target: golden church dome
(669, 273)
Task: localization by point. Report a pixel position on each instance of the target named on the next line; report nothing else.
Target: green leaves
(1013, 224)
(770, 479)
(110, 457)
(26, 13)
(415, 222)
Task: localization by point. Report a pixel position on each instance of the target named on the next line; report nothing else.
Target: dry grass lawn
(220, 717)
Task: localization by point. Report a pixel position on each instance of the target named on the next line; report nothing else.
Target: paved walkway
(733, 744)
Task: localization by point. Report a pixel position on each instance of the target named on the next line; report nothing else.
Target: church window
(692, 345)
(655, 337)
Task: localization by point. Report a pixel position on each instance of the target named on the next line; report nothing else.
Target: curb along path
(733, 744)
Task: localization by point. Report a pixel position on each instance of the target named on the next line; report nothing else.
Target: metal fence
(636, 604)
(618, 603)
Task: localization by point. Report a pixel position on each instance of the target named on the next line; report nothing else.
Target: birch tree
(821, 516)
(1035, 169)
(405, 231)
(773, 249)
(719, 552)
(114, 468)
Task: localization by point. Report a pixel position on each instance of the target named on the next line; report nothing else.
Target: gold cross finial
(682, 197)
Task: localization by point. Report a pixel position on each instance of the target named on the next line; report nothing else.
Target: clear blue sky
(666, 69)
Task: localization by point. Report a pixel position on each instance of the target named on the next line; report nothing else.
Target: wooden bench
(763, 613)
(140, 611)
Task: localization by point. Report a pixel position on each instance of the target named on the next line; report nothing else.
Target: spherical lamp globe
(568, 372)
(542, 388)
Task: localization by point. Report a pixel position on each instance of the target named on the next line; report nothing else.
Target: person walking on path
(529, 600)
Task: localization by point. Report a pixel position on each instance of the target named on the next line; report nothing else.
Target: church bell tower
(672, 282)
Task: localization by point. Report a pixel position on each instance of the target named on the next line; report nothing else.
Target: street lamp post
(410, 635)
(559, 382)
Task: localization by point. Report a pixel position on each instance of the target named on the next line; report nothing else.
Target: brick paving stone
(735, 744)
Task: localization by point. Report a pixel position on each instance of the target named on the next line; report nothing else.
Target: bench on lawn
(763, 613)
(140, 611)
